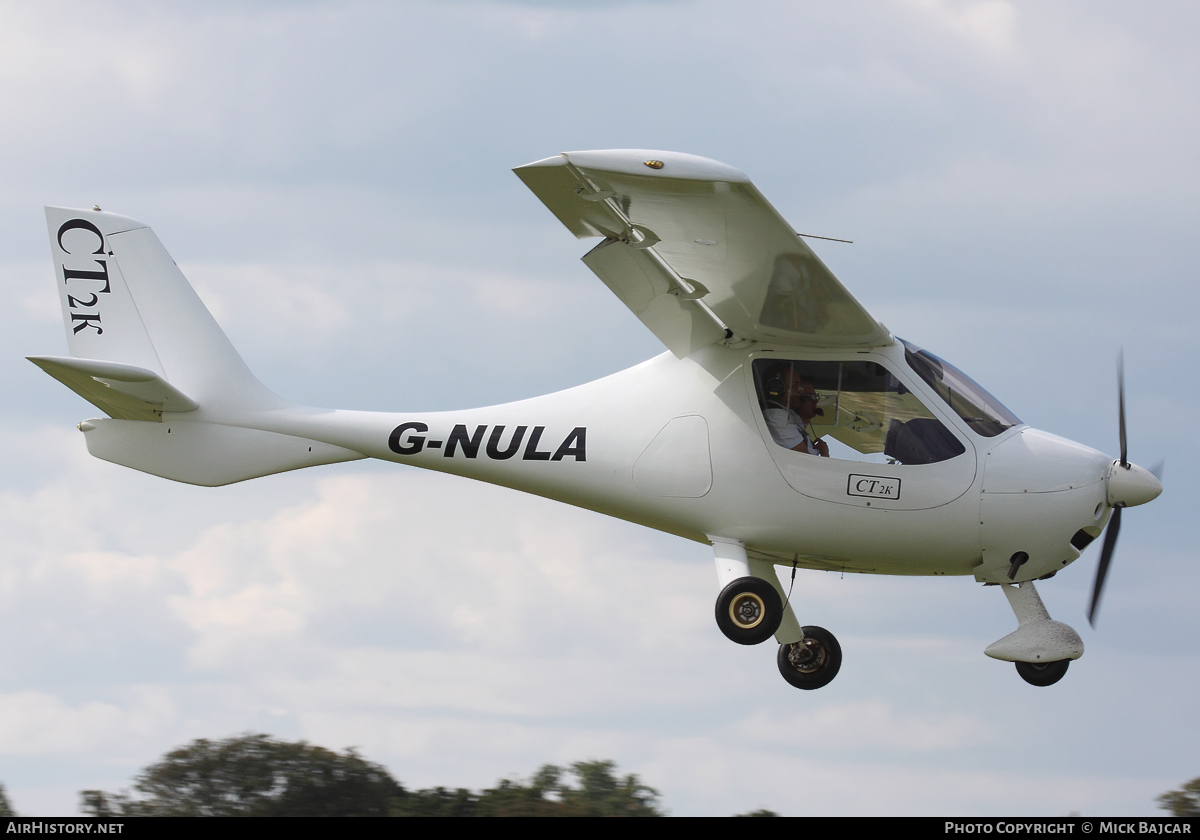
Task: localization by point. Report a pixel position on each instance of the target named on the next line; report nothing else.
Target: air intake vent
(1081, 540)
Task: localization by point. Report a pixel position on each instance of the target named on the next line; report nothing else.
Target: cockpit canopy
(865, 411)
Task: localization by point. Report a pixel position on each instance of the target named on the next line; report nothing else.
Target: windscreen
(985, 414)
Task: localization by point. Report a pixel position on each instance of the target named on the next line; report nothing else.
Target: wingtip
(553, 160)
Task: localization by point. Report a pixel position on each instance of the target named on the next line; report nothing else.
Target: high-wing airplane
(786, 427)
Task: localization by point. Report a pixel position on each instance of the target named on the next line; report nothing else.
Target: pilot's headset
(777, 385)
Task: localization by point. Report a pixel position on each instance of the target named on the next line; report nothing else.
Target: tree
(5, 806)
(599, 794)
(257, 776)
(253, 776)
(604, 795)
(437, 802)
(1184, 802)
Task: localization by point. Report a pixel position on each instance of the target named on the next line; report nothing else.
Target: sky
(1020, 183)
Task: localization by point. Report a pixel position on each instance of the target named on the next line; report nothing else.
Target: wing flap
(651, 292)
(123, 392)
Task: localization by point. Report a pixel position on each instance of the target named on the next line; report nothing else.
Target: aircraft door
(849, 431)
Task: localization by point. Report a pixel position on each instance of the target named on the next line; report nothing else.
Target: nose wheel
(811, 662)
(1042, 673)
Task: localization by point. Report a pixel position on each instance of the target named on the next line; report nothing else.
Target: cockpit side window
(985, 414)
(855, 410)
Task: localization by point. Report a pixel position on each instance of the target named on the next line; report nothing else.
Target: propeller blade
(1121, 405)
(1106, 553)
(1157, 469)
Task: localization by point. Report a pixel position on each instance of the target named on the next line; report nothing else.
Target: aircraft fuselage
(679, 445)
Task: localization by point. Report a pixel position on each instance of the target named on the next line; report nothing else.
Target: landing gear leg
(809, 657)
(1041, 647)
(751, 607)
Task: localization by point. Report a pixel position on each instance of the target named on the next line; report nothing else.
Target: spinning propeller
(1128, 485)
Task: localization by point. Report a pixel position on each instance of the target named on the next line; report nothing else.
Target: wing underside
(696, 252)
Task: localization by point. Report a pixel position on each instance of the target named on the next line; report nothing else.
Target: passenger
(791, 406)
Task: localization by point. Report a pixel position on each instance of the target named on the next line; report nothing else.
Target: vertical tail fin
(143, 345)
(125, 301)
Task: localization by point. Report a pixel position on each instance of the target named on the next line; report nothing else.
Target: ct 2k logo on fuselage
(873, 486)
(410, 438)
(86, 277)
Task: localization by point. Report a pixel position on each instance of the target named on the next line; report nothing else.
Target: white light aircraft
(786, 427)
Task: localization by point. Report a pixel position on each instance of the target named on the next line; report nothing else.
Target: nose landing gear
(811, 662)
(1041, 647)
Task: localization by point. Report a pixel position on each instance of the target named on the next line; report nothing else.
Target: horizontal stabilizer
(124, 392)
(207, 454)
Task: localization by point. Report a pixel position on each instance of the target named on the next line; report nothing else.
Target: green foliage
(437, 802)
(256, 776)
(1184, 802)
(253, 776)
(598, 793)
(761, 812)
(5, 806)
(601, 794)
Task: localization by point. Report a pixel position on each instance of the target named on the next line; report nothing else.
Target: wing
(692, 247)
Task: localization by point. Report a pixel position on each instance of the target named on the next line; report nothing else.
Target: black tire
(813, 662)
(1042, 673)
(749, 611)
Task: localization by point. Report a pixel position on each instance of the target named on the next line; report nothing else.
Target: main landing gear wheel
(749, 611)
(812, 662)
(1042, 673)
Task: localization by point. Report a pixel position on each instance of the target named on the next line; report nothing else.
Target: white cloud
(987, 24)
(869, 725)
(36, 723)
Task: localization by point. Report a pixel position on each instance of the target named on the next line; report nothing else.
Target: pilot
(791, 406)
